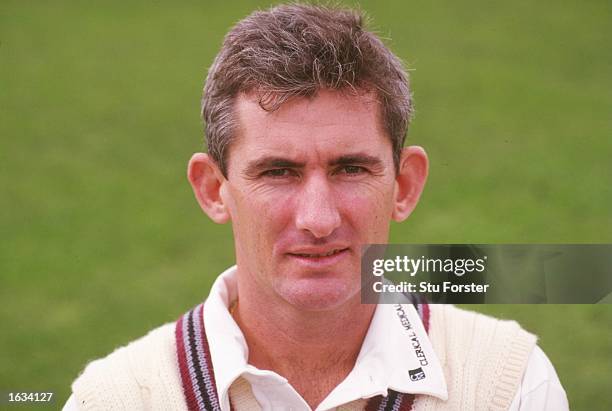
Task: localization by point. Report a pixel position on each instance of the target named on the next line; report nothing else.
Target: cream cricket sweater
(483, 361)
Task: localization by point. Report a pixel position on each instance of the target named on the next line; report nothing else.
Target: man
(306, 114)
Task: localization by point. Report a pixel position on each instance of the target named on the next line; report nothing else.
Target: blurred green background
(101, 239)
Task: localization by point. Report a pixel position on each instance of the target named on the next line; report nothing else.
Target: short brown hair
(295, 50)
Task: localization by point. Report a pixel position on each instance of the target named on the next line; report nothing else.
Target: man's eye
(352, 170)
(277, 173)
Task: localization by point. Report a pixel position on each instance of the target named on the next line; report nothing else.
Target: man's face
(307, 185)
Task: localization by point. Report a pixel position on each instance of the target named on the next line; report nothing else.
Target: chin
(317, 294)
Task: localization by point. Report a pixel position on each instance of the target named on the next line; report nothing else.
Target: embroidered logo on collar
(416, 374)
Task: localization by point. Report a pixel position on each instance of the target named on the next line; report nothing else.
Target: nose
(316, 210)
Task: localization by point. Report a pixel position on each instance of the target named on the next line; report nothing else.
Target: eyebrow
(356, 159)
(255, 166)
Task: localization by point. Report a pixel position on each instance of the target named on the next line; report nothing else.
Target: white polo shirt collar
(396, 355)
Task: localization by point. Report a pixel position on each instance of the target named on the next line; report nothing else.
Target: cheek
(258, 215)
(369, 210)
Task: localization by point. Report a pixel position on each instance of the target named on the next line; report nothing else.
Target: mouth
(321, 259)
(319, 255)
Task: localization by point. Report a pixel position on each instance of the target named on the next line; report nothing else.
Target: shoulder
(540, 388)
(133, 376)
(483, 358)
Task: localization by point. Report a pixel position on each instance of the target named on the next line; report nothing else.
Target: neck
(314, 350)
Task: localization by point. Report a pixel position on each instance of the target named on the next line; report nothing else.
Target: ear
(206, 181)
(409, 182)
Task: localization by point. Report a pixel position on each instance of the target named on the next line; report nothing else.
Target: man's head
(305, 154)
(295, 51)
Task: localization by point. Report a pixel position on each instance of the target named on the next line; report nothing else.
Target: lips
(320, 258)
(319, 255)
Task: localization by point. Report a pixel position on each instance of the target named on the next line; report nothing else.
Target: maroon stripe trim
(212, 397)
(188, 389)
(425, 318)
(374, 403)
(407, 402)
(194, 362)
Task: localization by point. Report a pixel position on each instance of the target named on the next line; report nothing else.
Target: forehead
(329, 122)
